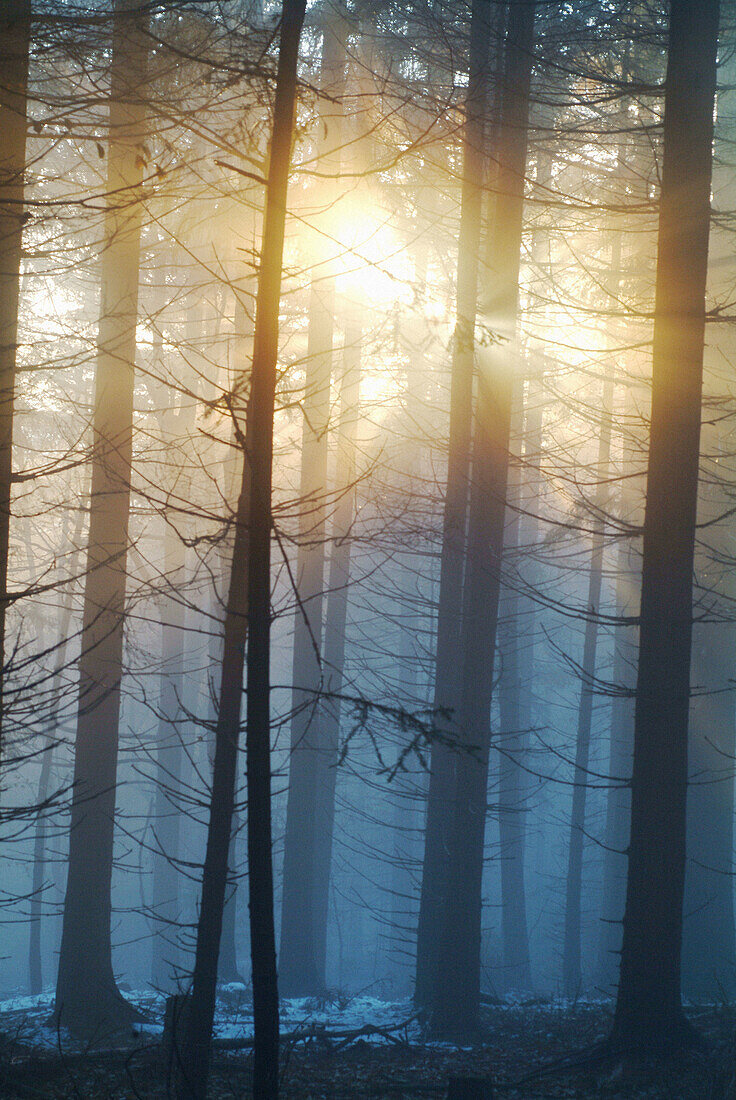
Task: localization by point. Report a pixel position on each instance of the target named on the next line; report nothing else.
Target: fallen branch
(321, 1034)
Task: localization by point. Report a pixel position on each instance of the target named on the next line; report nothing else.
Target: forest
(367, 549)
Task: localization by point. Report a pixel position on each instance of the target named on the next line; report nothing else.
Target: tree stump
(469, 1088)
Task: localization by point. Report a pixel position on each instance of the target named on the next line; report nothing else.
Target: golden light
(371, 264)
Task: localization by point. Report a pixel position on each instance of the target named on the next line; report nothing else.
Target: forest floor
(363, 1047)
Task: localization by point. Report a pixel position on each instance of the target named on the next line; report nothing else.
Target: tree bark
(35, 966)
(456, 1000)
(516, 647)
(709, 941)
(447, 690)
(169, 758)
(300, 972)
(87, 999)
(618, 800)
(251, 558)
(572, 975)
(15, 33)
(335, 627)
(514, 714)
(649, 1008)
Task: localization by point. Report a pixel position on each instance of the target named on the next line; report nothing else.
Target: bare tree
(251, 559)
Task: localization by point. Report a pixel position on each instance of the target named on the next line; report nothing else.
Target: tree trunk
(516, 647)
(456, 1001)
(447, 690)
(649, 1009)
(258, 747)
(176, 425)
(87, 999)
(618, 800)
(335, 626)
(35, 967)
(251, 558)
(300, 974)
(709, 947)
(514, 713)
(572, 975)
(227, 970)
(15, 32)
(169, 760)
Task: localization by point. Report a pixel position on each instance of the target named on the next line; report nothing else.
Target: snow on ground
(24, 1019)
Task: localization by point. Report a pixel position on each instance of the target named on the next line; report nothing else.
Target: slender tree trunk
(15, 32)
(193, 1057)
(516, 647)
(618, 800)
(649, 1009)
(298, 960)
(514, 710)
(87, 998)
(457, 994)
(175, 424)
(621, 725)
(35, 967)
(709, 947)
(335, 626)
(572, 975)
(258, 748)
(447, 690)
(409, 792)
(227, 970)
(251, 558)
(709, 942)
(169, 760)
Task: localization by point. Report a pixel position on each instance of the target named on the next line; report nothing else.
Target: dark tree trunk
(456, 1000)
(300, 974)
(15, 31)
(447, 689)
(649, 1009)
(251, 558)
(193, 1057)
(572, 975)
(87, 999)
(258, 747)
